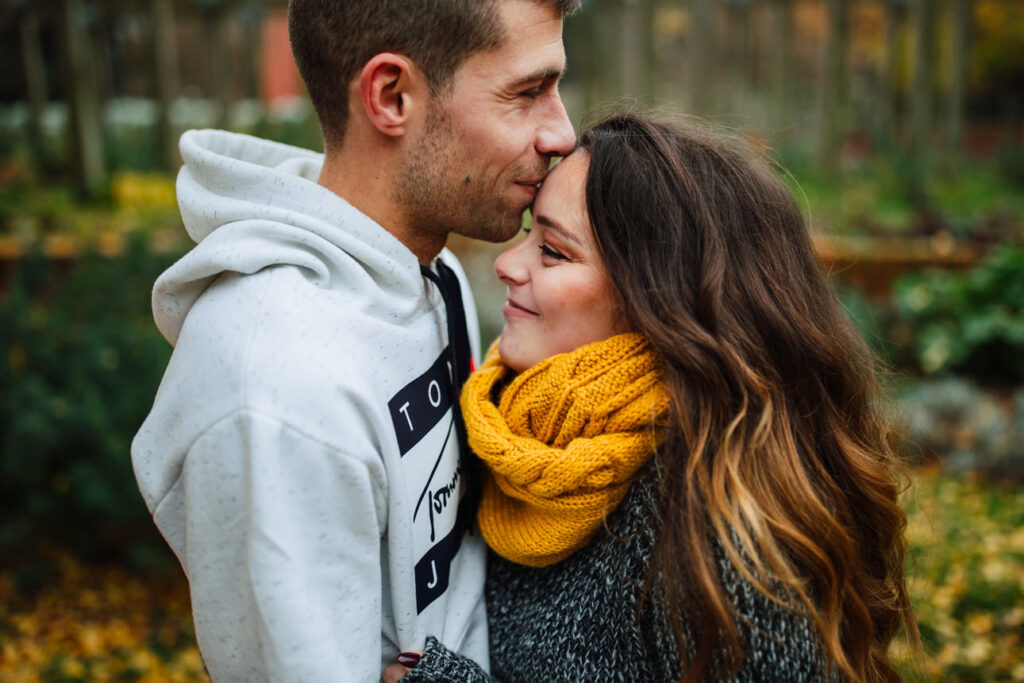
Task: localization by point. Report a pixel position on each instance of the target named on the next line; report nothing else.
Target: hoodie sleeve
(282, 550)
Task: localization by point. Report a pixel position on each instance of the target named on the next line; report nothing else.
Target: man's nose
(556, 137)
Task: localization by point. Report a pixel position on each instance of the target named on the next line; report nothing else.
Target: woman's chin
(510, 353)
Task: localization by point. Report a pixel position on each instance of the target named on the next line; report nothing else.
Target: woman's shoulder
(781, 642)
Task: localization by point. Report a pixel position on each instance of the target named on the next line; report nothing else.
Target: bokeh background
(898, 123)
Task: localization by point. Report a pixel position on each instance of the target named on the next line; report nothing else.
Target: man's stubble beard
(439, 194)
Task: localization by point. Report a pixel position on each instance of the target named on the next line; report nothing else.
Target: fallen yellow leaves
(98, 624)
(965, 575)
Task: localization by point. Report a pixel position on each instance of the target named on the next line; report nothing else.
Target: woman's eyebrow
(556, 227)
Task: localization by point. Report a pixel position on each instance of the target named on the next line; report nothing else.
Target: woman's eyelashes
(552, 253)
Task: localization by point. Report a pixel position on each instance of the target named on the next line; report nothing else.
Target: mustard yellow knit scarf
(563, 443)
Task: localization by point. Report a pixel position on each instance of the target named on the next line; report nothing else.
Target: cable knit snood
(562, 444)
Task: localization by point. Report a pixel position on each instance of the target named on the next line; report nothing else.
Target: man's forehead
(523, 56)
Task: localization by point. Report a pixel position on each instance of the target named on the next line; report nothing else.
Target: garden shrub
(1010, 161)
(966, 427)
(83, 361)
(970, 323)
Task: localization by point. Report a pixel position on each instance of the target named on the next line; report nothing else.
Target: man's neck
(368, 187)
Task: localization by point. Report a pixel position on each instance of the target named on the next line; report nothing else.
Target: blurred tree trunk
(214, 29)
(167, 85)
(781, 58)
(35, 82)
(833, 88)
(607, 47)
(585, 26)
(961, 12)
(101, 27)
(86, 130)
(921, 95)
(636, 29)
(895, 20)
(252, 44)
(700, 56)
(649, 63)
(742, 76)
(617, 39)
(628, 46)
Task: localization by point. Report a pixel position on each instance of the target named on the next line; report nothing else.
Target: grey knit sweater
(579, 619)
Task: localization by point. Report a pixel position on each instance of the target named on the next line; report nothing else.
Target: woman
(689, 478)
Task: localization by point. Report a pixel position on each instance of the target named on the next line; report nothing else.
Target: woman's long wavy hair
(779, 454)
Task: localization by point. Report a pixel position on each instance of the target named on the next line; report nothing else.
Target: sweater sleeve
(441, 664)
(281, 544)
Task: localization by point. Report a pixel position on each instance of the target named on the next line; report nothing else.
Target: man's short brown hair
(333, 39)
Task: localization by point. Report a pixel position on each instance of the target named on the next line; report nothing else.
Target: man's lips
(513, 309)
(530, 188)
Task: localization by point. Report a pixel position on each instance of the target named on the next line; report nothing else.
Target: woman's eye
(548, 251)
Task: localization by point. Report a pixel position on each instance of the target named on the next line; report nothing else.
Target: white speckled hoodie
(300, 457)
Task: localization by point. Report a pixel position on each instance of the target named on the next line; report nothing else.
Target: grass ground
(966, 575)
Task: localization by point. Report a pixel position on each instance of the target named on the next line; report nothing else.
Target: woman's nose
(510, 266)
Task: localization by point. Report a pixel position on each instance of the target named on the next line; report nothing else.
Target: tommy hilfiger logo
(423, 418)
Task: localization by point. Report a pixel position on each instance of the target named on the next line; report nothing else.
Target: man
(302, 455)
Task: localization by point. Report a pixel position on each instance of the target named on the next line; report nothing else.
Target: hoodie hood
(251, 204)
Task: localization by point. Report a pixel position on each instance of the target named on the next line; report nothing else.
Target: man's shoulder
(276, 306)
(274, 337)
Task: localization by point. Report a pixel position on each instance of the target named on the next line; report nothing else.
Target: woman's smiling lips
(514, 310)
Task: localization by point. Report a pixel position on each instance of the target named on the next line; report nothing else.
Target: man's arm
(282, 550)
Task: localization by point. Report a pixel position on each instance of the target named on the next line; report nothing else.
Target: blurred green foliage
(1010, 161)
(887, 196)
(969, 323)
(82, 364)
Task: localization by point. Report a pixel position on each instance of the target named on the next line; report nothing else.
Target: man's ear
(392, 89)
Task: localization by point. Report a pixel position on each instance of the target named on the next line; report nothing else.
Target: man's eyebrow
(556, 227)
(539, 75)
